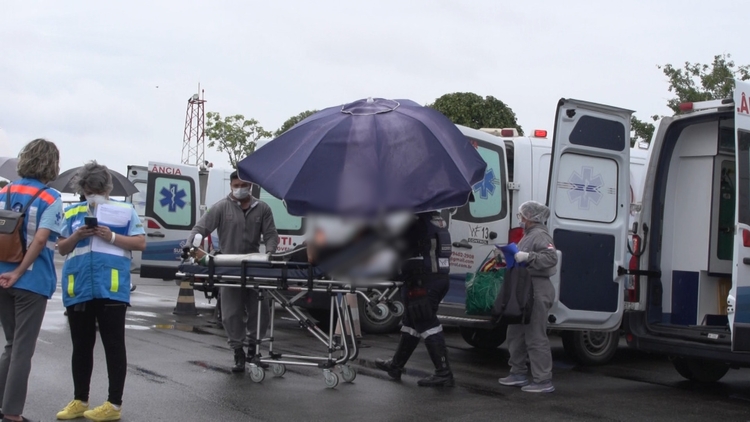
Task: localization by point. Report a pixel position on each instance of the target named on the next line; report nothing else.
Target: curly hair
(39, 159)
(93, 178)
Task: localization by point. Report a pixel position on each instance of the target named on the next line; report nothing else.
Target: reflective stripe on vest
(71, 284)
(115, 281)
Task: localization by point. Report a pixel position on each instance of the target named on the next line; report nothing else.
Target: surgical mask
(522, 224)
(96, 199)
(241, 193)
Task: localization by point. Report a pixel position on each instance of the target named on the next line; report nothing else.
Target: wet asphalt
(179, 370)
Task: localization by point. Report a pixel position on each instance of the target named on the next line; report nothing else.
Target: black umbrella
(121, 186)
(8, 167)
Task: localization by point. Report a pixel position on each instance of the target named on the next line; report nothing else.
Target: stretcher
(285, 283)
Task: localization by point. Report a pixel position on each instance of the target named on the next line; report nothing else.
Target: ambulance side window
(170, 200)
(490, 202)
(743, 176)
(286, 224)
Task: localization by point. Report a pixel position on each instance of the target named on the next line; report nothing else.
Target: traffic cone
(185, 300)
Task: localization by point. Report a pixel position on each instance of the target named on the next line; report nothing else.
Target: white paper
(112, 216)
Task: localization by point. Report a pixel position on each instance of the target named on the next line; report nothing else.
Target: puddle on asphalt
(206, 365)
(135, 327)
(181, 327)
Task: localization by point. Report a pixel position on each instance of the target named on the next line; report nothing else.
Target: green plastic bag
(481, 291)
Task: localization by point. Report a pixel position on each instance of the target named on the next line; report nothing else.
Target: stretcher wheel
(257, 374)
(332, 380)
(378, 312)
(278, 369)
(348, 373)
(397, 309)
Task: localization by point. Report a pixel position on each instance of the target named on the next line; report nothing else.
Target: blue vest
(88, 274)
(41, 277)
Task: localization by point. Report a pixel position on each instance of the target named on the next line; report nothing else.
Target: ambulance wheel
(484, 338)
(700, 370)
(332, 380)
(591, 348)
(278, 369)
(348, 373)
(257, 374)
(372, 321)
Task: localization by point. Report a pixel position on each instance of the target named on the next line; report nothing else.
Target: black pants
(437, 287)
(83, 319)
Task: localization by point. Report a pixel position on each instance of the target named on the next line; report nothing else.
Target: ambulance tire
(485, 338)
(700, 370)
(591, 348)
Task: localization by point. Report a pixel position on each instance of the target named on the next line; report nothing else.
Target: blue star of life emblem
(58, 218)
(585, 187)
(172, 197)
(487, 186)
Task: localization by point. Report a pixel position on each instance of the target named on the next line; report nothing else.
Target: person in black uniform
(426, 282)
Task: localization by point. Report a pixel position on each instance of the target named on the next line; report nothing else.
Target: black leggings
(83, 319)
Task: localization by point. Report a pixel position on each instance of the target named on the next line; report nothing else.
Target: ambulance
(691, 277)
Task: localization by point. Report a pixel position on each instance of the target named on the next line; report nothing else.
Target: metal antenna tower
(193, 146)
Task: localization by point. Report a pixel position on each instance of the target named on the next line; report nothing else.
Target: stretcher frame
(338, 355)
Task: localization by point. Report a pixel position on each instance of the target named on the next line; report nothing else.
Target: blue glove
(509, 253)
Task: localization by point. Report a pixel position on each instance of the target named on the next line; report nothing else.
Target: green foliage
(3, 183)
(703, 82)
(234, 135)
(290, 122)
(694, 82)
(469, 109)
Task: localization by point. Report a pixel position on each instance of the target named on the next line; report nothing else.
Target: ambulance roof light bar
(503, 133)
(704, 105)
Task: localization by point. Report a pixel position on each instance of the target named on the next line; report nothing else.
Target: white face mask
(96, 199)
(241, 193)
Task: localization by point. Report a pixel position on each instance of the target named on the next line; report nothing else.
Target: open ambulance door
(738, 302)
(589, 199)
(171, 213)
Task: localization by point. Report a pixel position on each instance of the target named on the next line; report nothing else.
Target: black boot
(443, 377)
(395, 365)
(239, 360)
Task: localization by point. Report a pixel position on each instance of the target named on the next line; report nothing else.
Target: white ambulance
(692, 275)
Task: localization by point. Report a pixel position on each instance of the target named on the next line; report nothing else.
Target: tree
(469, 109)
(290, 122)
(695, 82)
(234, 135)
(3, 183)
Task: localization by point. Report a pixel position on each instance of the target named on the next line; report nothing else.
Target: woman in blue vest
(25, 287)
(96, 287)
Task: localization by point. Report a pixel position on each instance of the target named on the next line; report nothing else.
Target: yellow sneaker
(105, 412)
(73, 410)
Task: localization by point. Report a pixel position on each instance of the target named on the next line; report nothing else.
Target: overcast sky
(84, 74)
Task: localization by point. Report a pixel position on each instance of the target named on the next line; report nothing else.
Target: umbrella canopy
(8, 166)
(368, 157)
(121, 186)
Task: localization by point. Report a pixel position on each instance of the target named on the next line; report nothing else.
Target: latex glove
(522, 256)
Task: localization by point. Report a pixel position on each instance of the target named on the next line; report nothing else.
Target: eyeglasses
(519, 216)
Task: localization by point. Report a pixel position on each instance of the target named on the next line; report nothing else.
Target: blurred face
(240, 189)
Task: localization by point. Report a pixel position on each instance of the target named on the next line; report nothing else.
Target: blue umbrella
(368, 157)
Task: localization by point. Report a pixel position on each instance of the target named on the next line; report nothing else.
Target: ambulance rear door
(171, 211)
(739, 296)
(589, 198)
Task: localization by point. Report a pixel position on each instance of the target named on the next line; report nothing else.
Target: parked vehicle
(692, 274)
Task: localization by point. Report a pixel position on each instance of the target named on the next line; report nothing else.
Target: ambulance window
(594, 132)
(286, 223)
(588, 188)
(489, 194)
(743, 176)
(171, 201)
